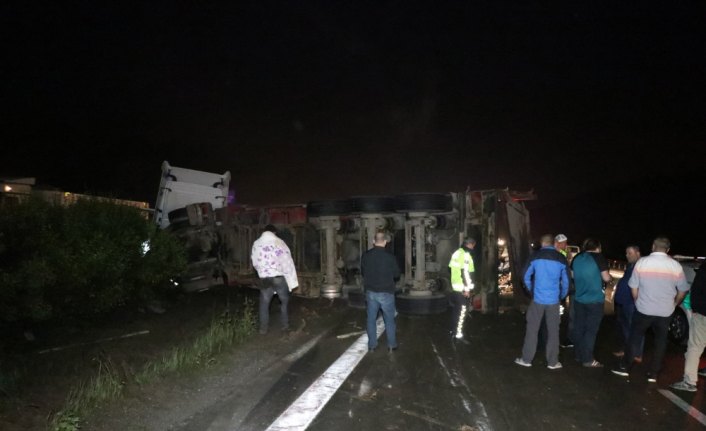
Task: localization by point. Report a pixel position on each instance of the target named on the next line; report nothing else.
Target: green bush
(81, 260)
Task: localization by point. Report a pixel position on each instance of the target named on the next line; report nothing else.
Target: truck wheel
(373, 204)
(178, 215)
(356, 299)
(422, 305)
(329, 208)
(423, 202)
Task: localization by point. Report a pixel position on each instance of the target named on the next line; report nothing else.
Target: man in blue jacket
(547, 279)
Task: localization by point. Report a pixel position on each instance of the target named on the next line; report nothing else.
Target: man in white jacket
(273, 262)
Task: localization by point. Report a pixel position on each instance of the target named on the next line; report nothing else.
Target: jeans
(624, 313)
(534, 315)
(269, 286)
(586, 323)
(640, 324)
(386, 302)
(570, 313)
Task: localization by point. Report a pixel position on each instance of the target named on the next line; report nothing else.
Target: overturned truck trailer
(327, 239)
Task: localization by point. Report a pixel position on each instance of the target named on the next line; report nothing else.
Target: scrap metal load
(327, 239)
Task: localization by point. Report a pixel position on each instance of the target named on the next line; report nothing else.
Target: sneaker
(651, 378)
(683, 386)
(620, 370)
(555, 366)
(567, 345)
(592, 364)
(702, 372)
(637, 359)
(619, 354)
(520, 361)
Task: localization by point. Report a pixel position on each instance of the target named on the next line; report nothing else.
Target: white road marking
(294, 356)
(684, 406)
(304, 410)
(456, 380)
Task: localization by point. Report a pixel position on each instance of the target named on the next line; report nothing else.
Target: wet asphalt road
(434, 383)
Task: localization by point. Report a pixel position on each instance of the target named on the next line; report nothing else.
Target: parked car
(679, 325)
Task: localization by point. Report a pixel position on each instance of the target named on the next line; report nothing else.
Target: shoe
(621, 371)
(592, 364)
(520, 361)
(567, 345)
(651, 378)
(371, 350)
(683, 386)
(637, 359)
(702, 372)
(391, 349)
(619, 354)
(555, 366)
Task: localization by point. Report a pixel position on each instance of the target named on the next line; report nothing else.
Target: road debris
(350, 334)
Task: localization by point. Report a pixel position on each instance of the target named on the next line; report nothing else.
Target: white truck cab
(180, 187)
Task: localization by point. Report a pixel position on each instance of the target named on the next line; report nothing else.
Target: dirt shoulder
(46, 378)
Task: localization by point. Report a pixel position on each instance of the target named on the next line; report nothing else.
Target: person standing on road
(548, 282)
(380, 270)
(589, 269)
(658, 285)
(560, 244)
(462, 267)
(697, 333)
(625, 304)
(272, 260)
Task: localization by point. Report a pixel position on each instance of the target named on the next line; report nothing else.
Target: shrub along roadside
(80, 261)
(224, 331)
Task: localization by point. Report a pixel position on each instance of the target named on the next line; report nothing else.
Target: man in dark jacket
(379, 270)
(697, 333)
(547, 279)
(625, 304)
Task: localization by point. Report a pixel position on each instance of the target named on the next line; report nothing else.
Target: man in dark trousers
(379, 270)
(590, 272)
(658, 286)
(625, 303)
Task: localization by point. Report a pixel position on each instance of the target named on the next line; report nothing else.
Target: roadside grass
(223, 332)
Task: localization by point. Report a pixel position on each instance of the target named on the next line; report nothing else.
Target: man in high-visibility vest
(461, 265)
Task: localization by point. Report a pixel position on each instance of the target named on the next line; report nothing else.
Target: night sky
(598, 107)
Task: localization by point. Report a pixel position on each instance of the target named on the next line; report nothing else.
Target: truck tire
(356, 299)
(423, 202)
(178, 215)
(422, 305)
(329, 208)
(373, 204)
